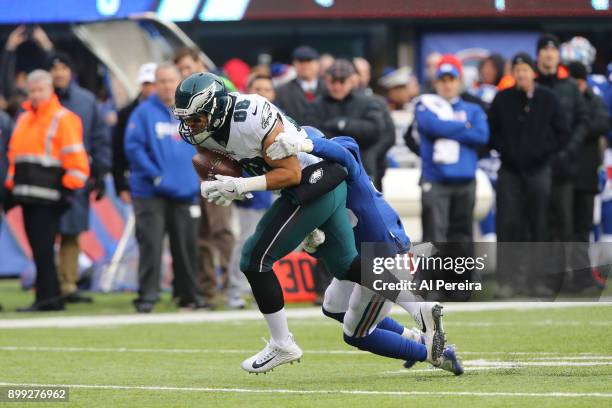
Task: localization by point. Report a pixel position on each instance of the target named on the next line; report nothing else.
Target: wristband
(257, 183)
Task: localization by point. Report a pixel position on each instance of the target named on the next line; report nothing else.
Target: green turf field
(543, 358)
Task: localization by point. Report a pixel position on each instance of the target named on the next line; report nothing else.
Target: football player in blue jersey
(361, 311)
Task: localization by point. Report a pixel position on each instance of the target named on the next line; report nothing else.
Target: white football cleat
(272, 356)
(430, 320)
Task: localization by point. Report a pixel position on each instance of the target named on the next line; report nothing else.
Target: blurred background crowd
(90, 170)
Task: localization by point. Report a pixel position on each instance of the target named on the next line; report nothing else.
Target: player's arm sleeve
(266, 121)
(135, 145)
(431, 125)
(332, 151)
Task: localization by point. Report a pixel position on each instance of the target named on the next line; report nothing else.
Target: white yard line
(64, 349)
(479, 365)
(512, 364)
(432, 370)
(244, 315)
(573, 358)
(329, 392)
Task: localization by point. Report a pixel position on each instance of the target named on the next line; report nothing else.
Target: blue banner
(66, 11)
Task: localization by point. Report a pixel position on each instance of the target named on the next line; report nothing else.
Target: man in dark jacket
(555, 77)
(528, 129)
(97, 144)
(387, 137)
(6, 129)
(343, 112)
(146, 80)
(296, 95)
(585, 179)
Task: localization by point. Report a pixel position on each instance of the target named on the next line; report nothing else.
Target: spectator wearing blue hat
(450, 131)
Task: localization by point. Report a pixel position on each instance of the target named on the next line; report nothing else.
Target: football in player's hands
(209, 163)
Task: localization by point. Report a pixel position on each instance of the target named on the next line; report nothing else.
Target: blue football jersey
(374, 220)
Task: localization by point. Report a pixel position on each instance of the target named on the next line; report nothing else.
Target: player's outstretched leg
(367, 309)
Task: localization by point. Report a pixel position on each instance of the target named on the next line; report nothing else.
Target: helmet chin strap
(202, 136)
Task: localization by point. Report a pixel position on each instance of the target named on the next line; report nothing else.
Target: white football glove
(288, 144)
(224, 190)
(313, 240)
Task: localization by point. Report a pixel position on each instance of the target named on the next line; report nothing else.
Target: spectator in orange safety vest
(47, 162)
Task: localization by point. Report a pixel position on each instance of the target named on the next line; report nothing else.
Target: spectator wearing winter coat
(96, 140)
(342, 111)
(164, 189)
(6, 129)
(554, 76)
(47, 163)
(295, 96)
(450, 131)
(528, 129)
(585, 180)
(387, 137)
